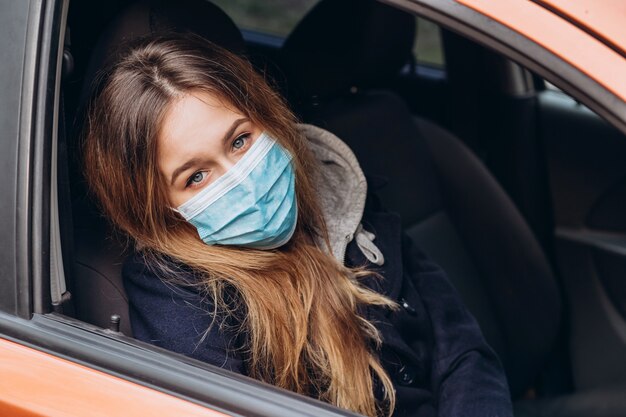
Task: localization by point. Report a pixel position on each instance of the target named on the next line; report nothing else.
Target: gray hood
(342, 191)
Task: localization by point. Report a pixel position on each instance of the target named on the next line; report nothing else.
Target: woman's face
(201, 138)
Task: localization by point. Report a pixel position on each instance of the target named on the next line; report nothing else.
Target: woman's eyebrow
(195, 161)
(232, 128)
(183, 168)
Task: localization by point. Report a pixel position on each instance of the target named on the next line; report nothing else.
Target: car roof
(603, 19)
(588, 34)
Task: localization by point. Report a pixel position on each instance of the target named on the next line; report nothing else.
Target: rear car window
(278, 17)
(428, 47)
(272, 17)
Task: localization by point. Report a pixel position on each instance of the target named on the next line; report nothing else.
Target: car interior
(514, 188)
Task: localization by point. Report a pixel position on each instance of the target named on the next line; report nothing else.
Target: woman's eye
(240, 142)
(196, 178)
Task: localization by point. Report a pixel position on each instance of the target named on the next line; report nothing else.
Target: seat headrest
(344, 43)
(145, 17)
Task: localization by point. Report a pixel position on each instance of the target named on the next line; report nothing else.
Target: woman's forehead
(196, 116)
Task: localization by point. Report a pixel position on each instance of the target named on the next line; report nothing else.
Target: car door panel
(145, 365)
(65, 388)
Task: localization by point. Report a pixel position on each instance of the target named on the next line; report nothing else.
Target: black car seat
(450, 204)
(98, 252)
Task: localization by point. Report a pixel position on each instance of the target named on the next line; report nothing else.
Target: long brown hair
(301, 318)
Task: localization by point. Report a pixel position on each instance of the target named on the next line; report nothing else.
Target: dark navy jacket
(432, 347)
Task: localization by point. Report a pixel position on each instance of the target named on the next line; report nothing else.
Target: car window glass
(275, 17)
(557, 92)
(279, 17)
(428, 48)
(549, 86)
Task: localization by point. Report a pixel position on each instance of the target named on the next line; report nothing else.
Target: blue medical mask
(253, 204)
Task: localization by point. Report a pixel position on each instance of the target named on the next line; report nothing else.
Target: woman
(259, 248)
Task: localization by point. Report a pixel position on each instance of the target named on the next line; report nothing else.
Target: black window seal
(38, 119)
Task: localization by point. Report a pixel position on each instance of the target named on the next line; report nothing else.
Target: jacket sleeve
(178, 319)
(467, 377)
